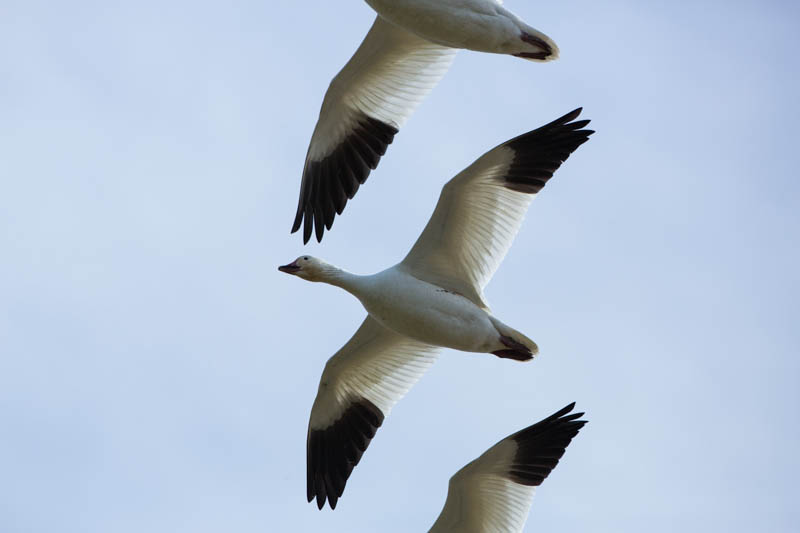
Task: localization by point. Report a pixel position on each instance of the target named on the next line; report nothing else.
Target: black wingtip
(333, 452)
(561, 412)
(320, 500)
(330, 182)
(319, 227)
(569, 117)
(541, 445)
(540, 152)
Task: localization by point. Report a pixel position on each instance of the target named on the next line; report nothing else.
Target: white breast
(428, 313)
(482, 25)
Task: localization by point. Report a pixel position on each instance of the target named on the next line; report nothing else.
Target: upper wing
(482, 208)
(365, 106)
(359, 386)
(493, 493)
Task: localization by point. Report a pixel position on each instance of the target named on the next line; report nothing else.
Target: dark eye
(305, 258)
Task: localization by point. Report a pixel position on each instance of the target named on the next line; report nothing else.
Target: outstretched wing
(365, 106)
(493, 493)
(481, 210)
(359, 386)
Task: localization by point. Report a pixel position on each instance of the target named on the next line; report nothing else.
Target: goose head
(306, 267)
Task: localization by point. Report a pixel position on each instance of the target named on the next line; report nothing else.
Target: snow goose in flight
(406, 52)
(432, 298)
(493, 493)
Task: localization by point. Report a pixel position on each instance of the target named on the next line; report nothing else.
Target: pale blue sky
(156, 371)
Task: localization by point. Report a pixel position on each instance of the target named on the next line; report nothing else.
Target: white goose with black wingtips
(433, 298)
(406, 52)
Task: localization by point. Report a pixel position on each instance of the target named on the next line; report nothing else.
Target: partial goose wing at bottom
(359, 386)
(493, 493)
(365, 106)
(481, 210)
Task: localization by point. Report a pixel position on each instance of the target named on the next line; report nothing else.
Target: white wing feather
(493, 493)
(376, 364)
(481, 210)
(387, 77)
(481, 499)
(366, 104)
(471, 229)
(359, 387)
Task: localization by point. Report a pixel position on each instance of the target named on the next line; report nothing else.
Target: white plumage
(376, 364)
(404, 55)
(493, 493)
(431, 299)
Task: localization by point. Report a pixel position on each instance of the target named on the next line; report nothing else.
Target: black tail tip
(516, 355)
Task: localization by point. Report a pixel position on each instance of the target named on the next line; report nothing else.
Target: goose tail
(536, 46)
(512, 344)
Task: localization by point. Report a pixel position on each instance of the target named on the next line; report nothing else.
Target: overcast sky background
(157, 371)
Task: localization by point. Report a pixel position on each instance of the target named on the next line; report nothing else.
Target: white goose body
(426, 312)
(433, 298)
(480, 25)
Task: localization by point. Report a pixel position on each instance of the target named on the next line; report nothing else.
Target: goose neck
(352, 283)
